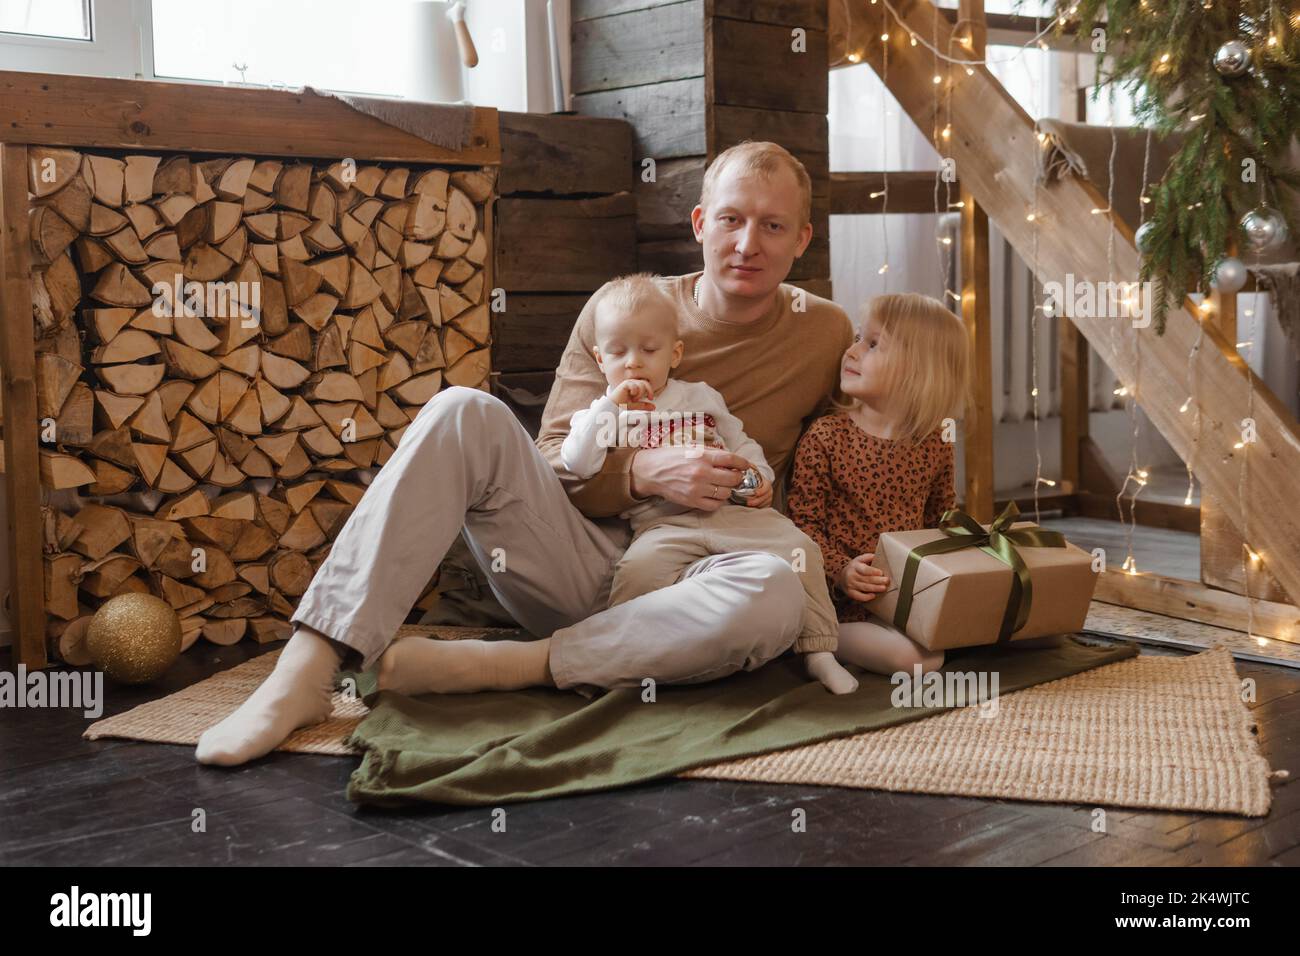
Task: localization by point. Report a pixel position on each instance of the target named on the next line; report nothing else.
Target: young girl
(879, 463)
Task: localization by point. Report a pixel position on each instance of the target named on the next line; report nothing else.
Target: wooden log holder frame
(39, 111)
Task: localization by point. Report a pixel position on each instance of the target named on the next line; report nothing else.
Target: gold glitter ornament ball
(134, 638)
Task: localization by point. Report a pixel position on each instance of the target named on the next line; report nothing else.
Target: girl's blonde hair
(928, 370)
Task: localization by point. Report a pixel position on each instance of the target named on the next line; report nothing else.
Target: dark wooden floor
(65, 800)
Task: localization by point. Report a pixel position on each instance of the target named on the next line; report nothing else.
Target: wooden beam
(852, 194)
(1150, 514)
(52, 110)
(978, 421)
(18, 382)
(639, 47)
(1073, 356)
(997, 156)
(564, 245)
(565, 155)
(1190, 601)
(975, 313)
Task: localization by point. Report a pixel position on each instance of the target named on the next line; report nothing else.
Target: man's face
(751, 232)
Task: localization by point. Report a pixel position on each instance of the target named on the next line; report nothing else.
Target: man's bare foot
(296, 694)
(422, 665)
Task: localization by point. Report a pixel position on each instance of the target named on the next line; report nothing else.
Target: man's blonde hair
(629, 294)
(927, 374)
(759, 159)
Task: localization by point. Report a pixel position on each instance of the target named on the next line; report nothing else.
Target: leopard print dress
(847, 487)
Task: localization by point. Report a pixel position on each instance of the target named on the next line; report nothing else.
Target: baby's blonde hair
(928, 370)
(629, 294)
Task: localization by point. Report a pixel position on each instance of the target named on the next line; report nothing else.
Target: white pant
(466, 462)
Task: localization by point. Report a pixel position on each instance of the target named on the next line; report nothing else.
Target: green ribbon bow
(962, 531)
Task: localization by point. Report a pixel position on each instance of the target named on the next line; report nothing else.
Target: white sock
(823, 666)
(296, 694)
(421, 665)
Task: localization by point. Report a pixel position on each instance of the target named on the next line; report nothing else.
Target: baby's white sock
(823, 666)
(297, 693)
(421, 665)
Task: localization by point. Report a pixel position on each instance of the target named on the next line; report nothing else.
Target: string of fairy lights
(960, 54)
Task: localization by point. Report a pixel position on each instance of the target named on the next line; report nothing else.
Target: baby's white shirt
(593, 430)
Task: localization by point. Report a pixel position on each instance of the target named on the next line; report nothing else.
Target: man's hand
(636, 392)
(860, 581)
(763, 496)
(691, 476)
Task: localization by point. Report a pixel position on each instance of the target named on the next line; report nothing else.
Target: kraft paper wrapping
(959, 598)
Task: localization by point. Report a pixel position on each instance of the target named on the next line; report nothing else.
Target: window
(61, 19)
(381, 47)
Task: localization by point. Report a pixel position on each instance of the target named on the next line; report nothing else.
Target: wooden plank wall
(565, 225)
(693, 77)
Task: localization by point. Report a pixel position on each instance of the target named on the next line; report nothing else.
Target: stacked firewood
(226, 351)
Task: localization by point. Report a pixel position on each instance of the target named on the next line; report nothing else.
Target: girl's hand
(633, 391)
(763, 496)
(860, 581)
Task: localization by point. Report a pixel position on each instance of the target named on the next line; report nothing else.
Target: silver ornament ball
(1142, 238)
(1264, 228)
(1229, 276)
(1232, 59)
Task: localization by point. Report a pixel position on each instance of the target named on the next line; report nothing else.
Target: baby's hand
(862, 582)
(632, 390)
(763, 496)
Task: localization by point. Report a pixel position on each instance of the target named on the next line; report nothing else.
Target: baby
(636, 348)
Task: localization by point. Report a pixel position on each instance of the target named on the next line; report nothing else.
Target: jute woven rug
(1155, 732)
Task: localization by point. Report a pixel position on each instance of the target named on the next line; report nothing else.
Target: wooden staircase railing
(992, 141)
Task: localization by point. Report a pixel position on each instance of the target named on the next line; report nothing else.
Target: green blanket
(495, 748)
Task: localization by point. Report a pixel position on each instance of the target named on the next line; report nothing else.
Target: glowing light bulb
(883, 269)
(1240, 444)
(1186, 405)
(1033, 392)
(969, 71)
(913, 39)
(884, 37)
(1122, 390)
(877, 195)
(855, 57)
(961, 204)
(1188, 499)
(1255, 556)
(1164, 57)
(937, 79)
(1146, 198)
(1030, 217)
(947, 131)
(946, 240)
(1048, 481)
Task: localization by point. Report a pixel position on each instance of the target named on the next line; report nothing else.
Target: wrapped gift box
(959, 598)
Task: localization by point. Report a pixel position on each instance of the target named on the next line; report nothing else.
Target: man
(466, 463)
